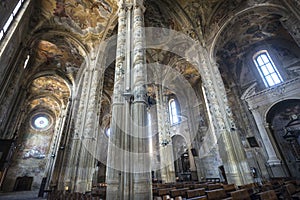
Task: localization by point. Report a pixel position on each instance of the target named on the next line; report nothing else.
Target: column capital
(129, 4)
(125, 5)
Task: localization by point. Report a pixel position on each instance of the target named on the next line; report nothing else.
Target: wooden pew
(200, 185)
(216, 194)
(214, 186)
(195, 193)
(198, 198)
(229, 187)
(290, 192)
(178, 192)
(164, 191)
(268, 195)
(240, 195)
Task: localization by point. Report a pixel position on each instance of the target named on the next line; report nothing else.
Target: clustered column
(128, 172)
(230, 147)
(81, 163)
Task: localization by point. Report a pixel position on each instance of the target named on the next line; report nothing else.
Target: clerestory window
(267, 68)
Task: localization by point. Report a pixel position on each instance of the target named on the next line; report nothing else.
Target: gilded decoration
(82, 13)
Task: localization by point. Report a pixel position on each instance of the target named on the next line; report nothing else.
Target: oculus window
(41, 121)
(267, 68)
(107, 132)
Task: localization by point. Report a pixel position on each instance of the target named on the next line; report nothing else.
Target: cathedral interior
(126, 94)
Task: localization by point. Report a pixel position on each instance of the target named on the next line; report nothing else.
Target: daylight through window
(173, 112)
(267, 69)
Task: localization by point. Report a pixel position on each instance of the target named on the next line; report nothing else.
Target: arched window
(173, 112)
(267, 68)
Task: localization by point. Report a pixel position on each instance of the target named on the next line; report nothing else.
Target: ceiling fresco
(58, 53)
(49, 93)
(199, 11)
(171, 67)
(250, 31)
(91, 20)
(84, 15)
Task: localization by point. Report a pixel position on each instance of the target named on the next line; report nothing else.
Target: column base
(274, 161)
(276, 168)
(234, 178)
(112, 190)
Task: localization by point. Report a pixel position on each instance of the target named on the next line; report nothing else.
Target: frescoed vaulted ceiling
(83, 15)
(49, 93)
(89, 22)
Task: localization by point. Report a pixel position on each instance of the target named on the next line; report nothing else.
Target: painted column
(140, 141)
(88, 140)
(81, 164)
(54, 151)
(73, 149)
(238, 170)
(128, 172)
(115, 157)
(230, 146)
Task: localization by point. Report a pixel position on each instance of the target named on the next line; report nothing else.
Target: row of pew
(271, 190)
(98, 193)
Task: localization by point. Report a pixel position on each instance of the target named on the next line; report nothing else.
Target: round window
(107, 132)
(40, 121)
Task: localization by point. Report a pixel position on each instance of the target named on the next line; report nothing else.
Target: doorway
(23, 183)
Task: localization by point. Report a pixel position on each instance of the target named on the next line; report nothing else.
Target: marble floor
(23, 195)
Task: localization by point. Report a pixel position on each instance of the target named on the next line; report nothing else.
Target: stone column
(115, 161)
(83, 147)
(165, 143)
(272, 157)
(140, 142)
(230, 146)
(129, 173)
(87, 150)
(274, 163)
(193, 131)
(73, 149)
